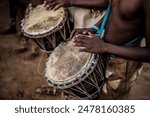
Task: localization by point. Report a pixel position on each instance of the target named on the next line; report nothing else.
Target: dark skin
(36, 2)
(90, 4)
(127, 20)
(94, 4)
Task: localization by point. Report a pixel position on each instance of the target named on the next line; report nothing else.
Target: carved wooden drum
(46, 27)
(80, 74)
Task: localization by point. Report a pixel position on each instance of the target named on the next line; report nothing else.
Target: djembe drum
(47, 28)
(80, 74)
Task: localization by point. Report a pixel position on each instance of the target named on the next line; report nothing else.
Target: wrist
(106, 47)
(71, 2)
(76, 3)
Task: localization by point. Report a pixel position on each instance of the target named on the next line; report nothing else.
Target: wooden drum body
(80, 74)
(46, 27)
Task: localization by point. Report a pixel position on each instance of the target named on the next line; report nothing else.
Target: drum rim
(76, 79)
(49, 32)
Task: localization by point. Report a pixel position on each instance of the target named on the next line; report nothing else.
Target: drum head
(65, 62)
(40, 21)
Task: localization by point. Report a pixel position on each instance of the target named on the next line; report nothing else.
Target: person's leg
(24, 42)
(121, 74)
(22, 6)
(13, 10)
(13, 15)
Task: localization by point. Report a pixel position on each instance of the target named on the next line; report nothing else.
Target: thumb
(93, 35)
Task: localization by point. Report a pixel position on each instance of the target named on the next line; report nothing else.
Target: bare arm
(95, 45)
(90, 4)
(147, 22)
(36, 2)
(135, 53)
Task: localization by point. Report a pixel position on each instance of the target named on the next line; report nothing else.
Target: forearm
(134, 53)
(91, 4)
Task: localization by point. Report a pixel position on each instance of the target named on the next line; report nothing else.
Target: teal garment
(102, 28)
(134, 40)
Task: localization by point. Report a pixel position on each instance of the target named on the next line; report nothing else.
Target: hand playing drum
(80, 74)
(89, 43)
(84, 31)
(48, 28)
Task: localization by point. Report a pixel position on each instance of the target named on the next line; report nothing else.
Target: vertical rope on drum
(83, 87)
(81, 90)
(92, 79)
(68, 24)
(63, 36)
(73, 94)
(42, 41)
(100, 68)
(37, 41)
(54, 40)
(95, 78)
(65, 32)
(49, 39)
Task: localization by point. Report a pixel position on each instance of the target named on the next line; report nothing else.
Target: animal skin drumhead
(65, 62)
(40, 20)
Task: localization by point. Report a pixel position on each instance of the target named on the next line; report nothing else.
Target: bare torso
(126, 21)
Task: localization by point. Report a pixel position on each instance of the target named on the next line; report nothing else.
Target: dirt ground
(19, 77)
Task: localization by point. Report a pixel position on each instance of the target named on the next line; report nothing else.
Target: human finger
(93, 35)
(58, 6)
(51, 6)
(79, 38)
(80, 44)
(76, 32)
(47, 2)
(73, 33)
(84, 37)
(85, 32)
(82, 49)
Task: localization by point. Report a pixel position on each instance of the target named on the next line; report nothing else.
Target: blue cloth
(134, 40)
(96, 28)
(102, 28)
